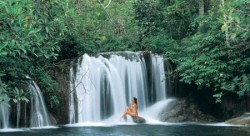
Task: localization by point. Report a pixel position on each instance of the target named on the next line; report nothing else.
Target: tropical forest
(125, 67)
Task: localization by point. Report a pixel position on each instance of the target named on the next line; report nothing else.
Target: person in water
(133, 111)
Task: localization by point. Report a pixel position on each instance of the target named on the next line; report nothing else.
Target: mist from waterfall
(102, 86)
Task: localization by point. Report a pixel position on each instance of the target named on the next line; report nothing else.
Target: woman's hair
(135, 99)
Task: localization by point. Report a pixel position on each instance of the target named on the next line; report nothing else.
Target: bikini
(133, 107)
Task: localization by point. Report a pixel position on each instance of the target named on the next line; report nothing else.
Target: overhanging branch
(108, 4)
(104, 8)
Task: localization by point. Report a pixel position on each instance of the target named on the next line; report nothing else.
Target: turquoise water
(135, 130)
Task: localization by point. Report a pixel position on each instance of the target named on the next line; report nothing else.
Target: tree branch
(108, 4)
(104, 7)
(240, 45)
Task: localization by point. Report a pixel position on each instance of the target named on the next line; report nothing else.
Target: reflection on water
(132, 130)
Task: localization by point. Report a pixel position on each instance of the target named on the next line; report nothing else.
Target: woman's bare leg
(127, 111)
(131, 113)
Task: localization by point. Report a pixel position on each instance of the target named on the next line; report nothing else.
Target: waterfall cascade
(39, 115)
(38, 112)
(4, 114)
(102, 86)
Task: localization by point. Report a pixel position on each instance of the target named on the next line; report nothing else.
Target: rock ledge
(182, 110)
(242, 120)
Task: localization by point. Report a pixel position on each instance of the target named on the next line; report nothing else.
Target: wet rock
(60, 112)
(242, 120)
(183, 110)
(52, 119)
(138, 119)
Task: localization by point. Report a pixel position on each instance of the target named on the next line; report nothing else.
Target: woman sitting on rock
(131, 111)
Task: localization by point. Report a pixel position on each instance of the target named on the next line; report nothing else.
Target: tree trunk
(201, 7)
(226, 23)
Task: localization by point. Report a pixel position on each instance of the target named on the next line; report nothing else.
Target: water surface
(136, 130)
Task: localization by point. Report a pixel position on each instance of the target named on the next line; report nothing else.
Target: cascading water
(72, 114)
(39, 116)
(38, 112)
(4, 114)
(103, 86)
(158, 77)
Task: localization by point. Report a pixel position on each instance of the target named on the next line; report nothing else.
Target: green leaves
(19, 95)
(36, 34)
(3, 53)
(29, 36)
(205, 59)
(239, 85)
(218, 97)
(2, 50)
(3, 92)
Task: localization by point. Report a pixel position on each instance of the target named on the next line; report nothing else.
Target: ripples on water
(167, 129)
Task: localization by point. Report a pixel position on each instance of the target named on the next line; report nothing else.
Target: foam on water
(91, 124)
(220, 124)
(45, 127)
(13, 129)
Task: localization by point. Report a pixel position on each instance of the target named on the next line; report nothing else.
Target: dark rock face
(231, 104)
(242, 120)
(183, 110)
(60, 112)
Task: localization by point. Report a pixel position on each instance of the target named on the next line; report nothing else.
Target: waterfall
(4, 114)
(72, 110)
(18, 107)
(102, 86)
(158, 77)
(39, 116)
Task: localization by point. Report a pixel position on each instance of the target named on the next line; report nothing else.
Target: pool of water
(133, 130)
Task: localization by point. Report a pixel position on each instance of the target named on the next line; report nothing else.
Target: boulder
(242, 120)
(182, 110)
(138, 119)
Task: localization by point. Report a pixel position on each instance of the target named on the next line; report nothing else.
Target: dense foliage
(207, 40)
(217, 55)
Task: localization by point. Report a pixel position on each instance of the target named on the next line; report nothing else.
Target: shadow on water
(138, 130)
